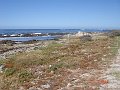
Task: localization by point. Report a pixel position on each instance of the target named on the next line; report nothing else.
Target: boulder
(86, 38)
(9, 42)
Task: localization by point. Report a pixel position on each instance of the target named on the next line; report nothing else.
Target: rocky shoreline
(6, 49)
(31, 34)
(10, 47)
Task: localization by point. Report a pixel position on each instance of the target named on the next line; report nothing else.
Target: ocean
(43, 31)
(19, 31)
(21, 39)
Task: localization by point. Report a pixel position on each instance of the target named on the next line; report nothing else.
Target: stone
(46, 86)
(1, 68)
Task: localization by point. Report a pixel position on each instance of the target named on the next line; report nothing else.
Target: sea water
(43, 31)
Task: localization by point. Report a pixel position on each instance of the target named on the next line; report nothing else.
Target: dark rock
(30, 42)
(86, 38)
(27, 35)
(31, 35)
(53, 34)
(9, 42)
(0, 35)
(113, 33)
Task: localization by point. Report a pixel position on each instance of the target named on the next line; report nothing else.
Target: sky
(60, 14)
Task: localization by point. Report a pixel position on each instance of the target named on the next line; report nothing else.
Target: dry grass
(55, 59)
(4, 47)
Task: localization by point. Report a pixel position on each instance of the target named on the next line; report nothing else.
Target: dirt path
(95, 79)
(113, 75)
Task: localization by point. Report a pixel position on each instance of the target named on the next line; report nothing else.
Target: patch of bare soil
(113, 75)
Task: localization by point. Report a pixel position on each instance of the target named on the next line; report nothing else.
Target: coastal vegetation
(50, 66)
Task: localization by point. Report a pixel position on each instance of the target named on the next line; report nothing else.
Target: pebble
(69, 85)
(46, 86)
(1, 68)
(21, 88)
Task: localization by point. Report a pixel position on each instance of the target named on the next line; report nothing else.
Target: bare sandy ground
(113, 75)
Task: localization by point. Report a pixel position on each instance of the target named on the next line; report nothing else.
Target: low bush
(114, 33)
(30, 42)
(25, 76)
(56, 66)
(8, 42)
(9, 71)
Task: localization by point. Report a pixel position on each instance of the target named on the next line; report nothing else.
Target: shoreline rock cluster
(22, 47)
(31, 34)
(31, 44)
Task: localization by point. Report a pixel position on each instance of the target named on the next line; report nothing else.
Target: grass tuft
(9, 71)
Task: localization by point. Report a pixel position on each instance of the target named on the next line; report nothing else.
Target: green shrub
(9, 71)
(56, 66)
(86, 38)
(114, 33)
(25, 76)
(36, 48)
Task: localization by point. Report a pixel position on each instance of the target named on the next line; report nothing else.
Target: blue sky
(60, 14)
